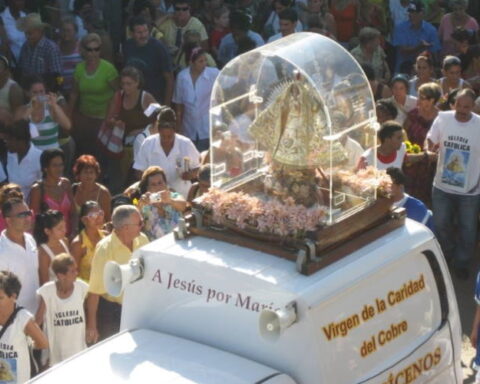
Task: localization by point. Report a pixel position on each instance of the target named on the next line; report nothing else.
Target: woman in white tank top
(49, 232)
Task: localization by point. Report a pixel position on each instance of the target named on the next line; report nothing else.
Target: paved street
(464, 291)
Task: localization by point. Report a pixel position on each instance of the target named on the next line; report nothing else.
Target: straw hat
(31, 21)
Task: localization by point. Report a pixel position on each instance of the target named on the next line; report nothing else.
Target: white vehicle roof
(270, 271)
(214, 293)
(144, 356)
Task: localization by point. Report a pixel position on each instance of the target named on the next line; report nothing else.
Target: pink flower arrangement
(272, 216)
(365, 179)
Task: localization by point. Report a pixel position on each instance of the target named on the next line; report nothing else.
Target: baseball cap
(415, 6)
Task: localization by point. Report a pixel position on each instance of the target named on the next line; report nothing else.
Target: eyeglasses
(95, 214)
(96, 49)
(179, 9)
(10, 190)
(23, 214)
(139, 224)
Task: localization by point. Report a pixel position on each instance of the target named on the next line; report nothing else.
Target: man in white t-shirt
(456, 187)
(174, 153)
(18, 251)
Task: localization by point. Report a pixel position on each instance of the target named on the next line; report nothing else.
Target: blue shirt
(153, 60)
(42, 59)
(229, 49)
(406, 35)
(416, 210)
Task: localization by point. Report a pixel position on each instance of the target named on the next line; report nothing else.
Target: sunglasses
(96, 49)
(178, 9)
(94, 215)
(23, 215)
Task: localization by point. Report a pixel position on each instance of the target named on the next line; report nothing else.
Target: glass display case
(289, 121)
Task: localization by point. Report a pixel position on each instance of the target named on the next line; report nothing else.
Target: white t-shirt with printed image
(458, 169)
(14, 355)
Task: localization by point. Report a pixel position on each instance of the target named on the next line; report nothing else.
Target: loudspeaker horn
(116, 276)
(273, 323)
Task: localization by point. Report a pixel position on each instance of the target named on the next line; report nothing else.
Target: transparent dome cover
(291, 119)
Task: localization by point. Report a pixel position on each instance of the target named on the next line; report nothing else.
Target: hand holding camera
(160, 197)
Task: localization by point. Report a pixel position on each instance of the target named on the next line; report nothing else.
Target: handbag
(110, 139)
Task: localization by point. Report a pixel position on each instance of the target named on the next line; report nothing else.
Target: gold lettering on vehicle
(412, 372)
(341, 328)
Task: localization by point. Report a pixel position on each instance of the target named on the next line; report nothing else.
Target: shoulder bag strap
(10, 320)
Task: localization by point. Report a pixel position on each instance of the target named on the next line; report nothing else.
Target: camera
(156, 197)
(42, 98)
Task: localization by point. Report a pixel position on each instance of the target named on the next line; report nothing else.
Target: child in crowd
(416, 209)
(17, 325)
(49, 233)
(62, 310)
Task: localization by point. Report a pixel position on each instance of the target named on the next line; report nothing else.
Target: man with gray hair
(103, 310)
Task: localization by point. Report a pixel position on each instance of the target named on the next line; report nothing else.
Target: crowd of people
(104, 116)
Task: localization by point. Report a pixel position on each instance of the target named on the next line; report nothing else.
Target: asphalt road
(466, 305)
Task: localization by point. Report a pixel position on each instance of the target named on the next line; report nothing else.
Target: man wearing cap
(38, 55)
(412, 37)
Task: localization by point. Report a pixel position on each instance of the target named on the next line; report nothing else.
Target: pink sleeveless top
(64, 206)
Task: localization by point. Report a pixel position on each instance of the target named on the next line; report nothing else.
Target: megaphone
(116, 276)
(273, 323)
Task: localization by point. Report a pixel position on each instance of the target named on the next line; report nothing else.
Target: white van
(205, 311)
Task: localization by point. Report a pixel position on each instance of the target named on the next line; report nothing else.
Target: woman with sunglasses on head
(92, 220)
(54, 191)
(95, 81)
(49, 233)
(87, 171)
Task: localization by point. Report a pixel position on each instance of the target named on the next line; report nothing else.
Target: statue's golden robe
(292, 127)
